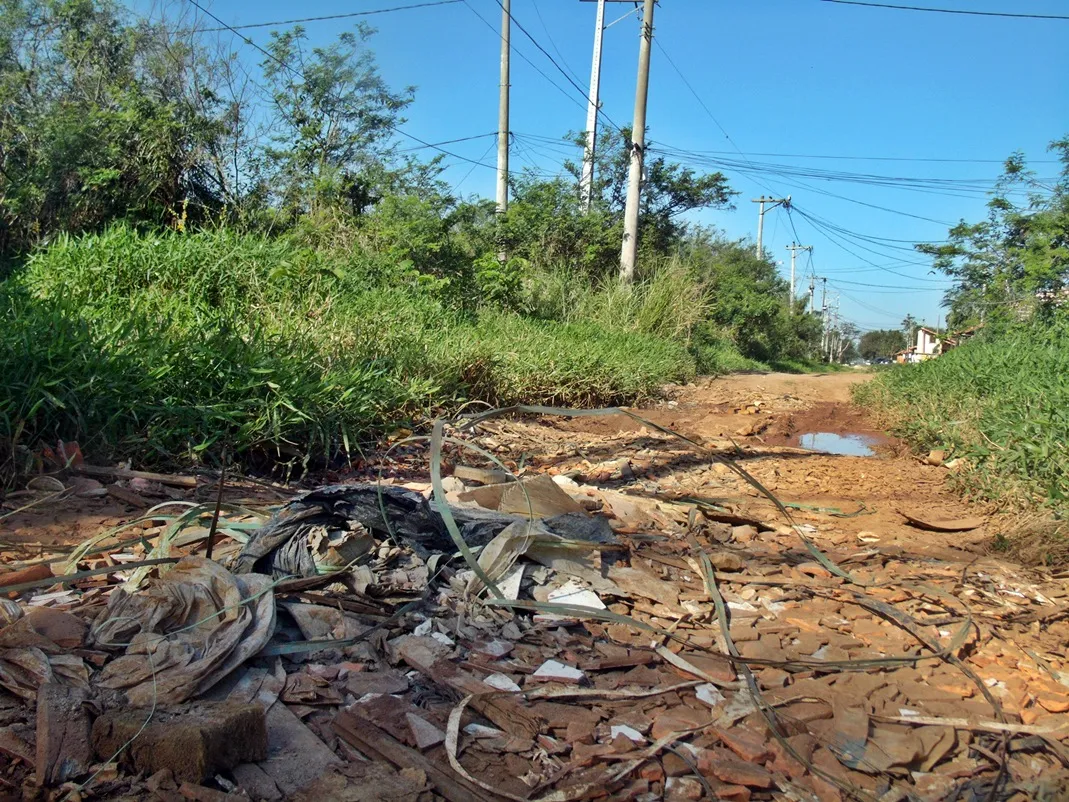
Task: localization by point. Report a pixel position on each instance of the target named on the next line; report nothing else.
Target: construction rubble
(639, 619)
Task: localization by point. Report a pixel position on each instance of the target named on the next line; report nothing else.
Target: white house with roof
(928, 345)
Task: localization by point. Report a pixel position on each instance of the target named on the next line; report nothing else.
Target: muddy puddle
(848, 445)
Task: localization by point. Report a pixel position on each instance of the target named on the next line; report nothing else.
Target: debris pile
(628, 623)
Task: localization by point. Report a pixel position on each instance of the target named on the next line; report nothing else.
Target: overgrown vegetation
(165, 345)
(881, 343)
(202, 253)
(1000, 400)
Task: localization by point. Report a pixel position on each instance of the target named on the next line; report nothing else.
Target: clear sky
(798, 79)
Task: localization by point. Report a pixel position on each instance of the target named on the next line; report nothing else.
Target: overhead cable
(949, 10)
(300, 75)
(326, 17)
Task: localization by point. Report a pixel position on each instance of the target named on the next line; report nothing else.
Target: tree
(95, 121)
(334, 120)
(909, 328)
(881, 344)
(1017, 261)
(546, 221)
(745, 296)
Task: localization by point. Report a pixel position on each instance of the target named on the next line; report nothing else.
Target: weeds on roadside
(1000, 402)
(164, 347)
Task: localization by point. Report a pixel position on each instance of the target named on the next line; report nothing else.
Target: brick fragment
(744, 744)
(682, 789)
(64, 750)
(733, 793)
(734, 772)
(195, 741)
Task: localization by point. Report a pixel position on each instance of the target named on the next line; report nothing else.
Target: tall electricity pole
(824, 317)
(629, 250)
(794, 248)
(812, 288)
(586, 184)
(503, 111)
(785, 202)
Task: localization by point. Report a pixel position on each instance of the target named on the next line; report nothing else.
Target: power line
(835, 239)
(553, 61)
(467, 175)
(874, 158)
(451, 141)
(949, 10)
(887, 286)
(300, 75)
(535, 67)
(552, 42)
(226, 27)
(953, 187)
(701, 103)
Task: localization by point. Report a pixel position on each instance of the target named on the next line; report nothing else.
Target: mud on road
(766, 416)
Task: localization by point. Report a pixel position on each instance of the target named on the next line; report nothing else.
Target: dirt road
(901, 662)
(767, 416)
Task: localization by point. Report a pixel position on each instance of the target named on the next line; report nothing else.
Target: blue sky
(797, 78)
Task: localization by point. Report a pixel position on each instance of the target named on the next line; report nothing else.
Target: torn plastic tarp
(284, 545)
(184, 632)
(29, 659)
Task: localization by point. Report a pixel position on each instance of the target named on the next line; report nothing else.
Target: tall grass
(669, 302)
(1001, 402)
(164, 347)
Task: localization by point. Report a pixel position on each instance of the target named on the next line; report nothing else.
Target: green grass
(163, 348)
(1000, 402)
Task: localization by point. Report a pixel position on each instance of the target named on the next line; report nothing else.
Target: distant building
(952, 341)
(928, 346)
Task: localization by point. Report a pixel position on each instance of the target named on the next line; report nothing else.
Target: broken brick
(64, 749)
(424, 734)
(1053, 704)
(679, 719)
(682, 789)
(579, 732)
(784, 762)
(734, 772)
(586, 754)
(744, 744)
(651, 772)
(555, 671)
(64, 629)
(733, 793)
(674, 765)
(195, 741)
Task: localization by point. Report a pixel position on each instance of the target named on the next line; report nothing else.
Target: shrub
(1000, 401)
(165, 347)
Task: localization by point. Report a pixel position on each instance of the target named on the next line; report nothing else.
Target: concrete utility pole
(629, 250)
(586, 184)
(833, 329)
(824, 317)
(503, 111)
(586, 181)
(785, 202)
(794, 248)
(812, 288)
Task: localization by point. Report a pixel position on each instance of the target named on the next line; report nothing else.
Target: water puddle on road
(848, 445)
